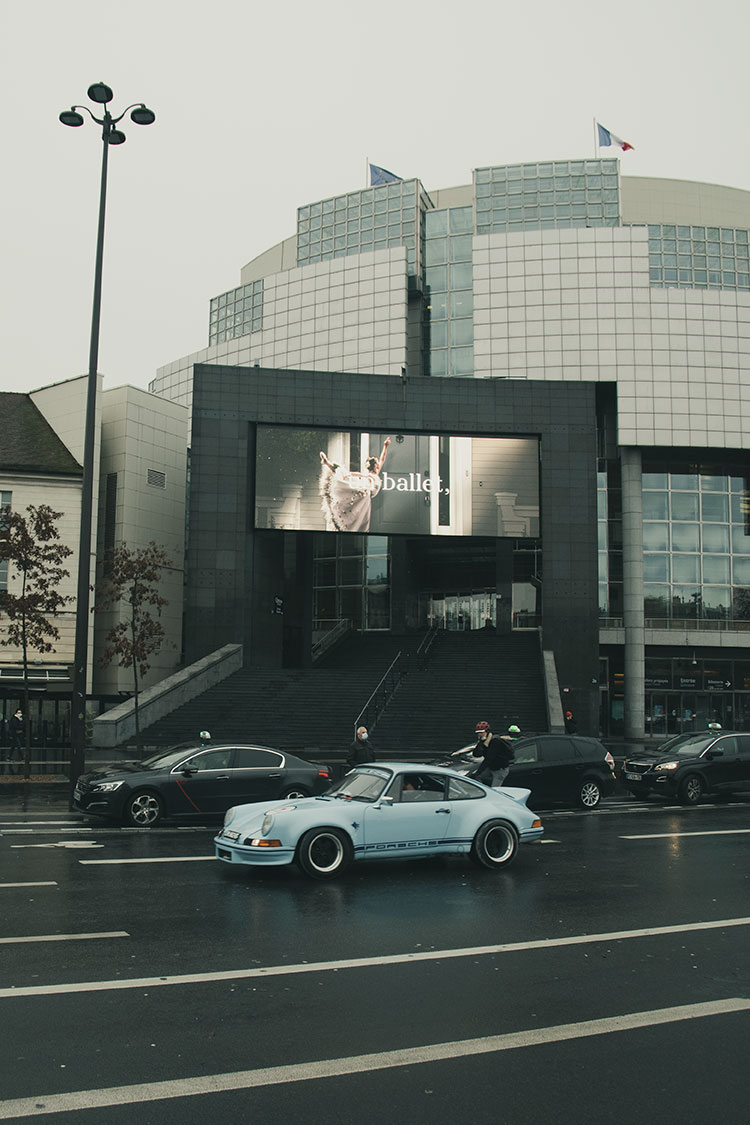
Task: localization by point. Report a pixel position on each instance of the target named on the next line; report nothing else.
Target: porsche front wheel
(324, 853)
(495, 845)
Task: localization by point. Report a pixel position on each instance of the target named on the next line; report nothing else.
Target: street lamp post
(102, 95)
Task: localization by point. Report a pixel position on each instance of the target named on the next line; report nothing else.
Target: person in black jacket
(361, 749)
(496, 755)
(17, 734)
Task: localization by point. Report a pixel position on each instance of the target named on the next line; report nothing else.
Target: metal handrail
(321, 646)
(381, 695)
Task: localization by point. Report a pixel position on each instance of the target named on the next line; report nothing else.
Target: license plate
(634, 776)
(230, 835)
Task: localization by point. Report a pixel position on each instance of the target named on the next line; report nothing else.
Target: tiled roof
(28, 444)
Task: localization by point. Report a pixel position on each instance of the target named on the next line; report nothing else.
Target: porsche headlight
(265, 827)
(667, 766)
(229, 816)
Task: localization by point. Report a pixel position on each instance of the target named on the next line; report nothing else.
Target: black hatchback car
(196, 780)
(561, 767)
(689, 767)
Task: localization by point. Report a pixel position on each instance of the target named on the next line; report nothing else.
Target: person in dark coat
(496, 755)
(17, 733)
(361, 749)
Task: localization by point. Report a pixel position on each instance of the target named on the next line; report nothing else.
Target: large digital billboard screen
(396, 484)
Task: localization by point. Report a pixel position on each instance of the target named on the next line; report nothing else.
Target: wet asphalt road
(389, 995)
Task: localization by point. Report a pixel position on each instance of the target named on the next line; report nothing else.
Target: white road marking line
(364, 962)
(26, 823)
(61, 937)
(708, 832)
(359, 1064)
(50, 883)
(156, 859)
(61, 844)
(39, 831)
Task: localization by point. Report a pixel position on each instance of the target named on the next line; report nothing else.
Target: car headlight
(106, 786)
(265, 827)
(667, 766)
(229, 816)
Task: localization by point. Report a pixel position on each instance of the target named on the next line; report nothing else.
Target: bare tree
(132, 584)
(31, 545)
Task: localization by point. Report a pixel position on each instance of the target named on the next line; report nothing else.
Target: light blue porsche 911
(392, 809)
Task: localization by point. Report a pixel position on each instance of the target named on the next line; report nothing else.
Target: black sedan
(196, 780)
(690, 766)
(558, 767)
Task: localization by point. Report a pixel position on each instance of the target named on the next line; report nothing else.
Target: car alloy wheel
(495, 845)
(294, 793)
(690, 790)
(324, 852)
(589, 795)
(144, 809)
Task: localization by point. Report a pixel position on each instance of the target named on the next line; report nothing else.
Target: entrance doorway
(462, 612)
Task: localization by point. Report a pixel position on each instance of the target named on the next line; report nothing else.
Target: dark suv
(560, 767)
(686, 768)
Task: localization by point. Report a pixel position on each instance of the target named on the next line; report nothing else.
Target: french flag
(607, 138)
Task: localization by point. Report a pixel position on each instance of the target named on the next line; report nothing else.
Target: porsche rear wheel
(495, 845)
(323, 853)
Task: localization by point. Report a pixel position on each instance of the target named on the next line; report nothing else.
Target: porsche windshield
(361, 785)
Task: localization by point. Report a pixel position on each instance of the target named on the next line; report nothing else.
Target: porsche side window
(463, 790)
(422, 787)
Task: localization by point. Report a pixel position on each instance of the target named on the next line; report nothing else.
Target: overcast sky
(263, 107)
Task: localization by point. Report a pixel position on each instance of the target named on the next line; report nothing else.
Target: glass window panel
(685, 506)
(741, 572)
(461, 219)
(439, 362)
(715, 507)
(686, 481)
(717, 601)
(435, 251)
(652, 479)
(686, 601)
(462, 332)
(685, 568)
(462, 303)
(656, 600)
(716, 568)
(656, 568)
(462, 361)
(685, 537)
(655, 506)
(715, 538)
(460, 249)
(656, 537)
(350, 572)
(436, 277)
(438, 306)
(461, 276)
(439, 334)
(740, 540)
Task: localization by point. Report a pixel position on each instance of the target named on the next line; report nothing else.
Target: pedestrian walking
(16, 732)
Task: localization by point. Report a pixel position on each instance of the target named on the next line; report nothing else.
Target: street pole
(101, 94)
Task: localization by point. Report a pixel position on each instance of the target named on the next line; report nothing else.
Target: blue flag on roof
(382, 176)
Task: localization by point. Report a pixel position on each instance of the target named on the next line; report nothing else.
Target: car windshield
(360, 785)
(691, 748)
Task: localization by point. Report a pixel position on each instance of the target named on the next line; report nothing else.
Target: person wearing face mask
(361, 749)
(496, 755)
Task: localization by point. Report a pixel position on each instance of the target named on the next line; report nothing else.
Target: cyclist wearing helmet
(496, 755)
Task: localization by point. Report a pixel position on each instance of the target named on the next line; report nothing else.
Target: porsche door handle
(442, 810)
